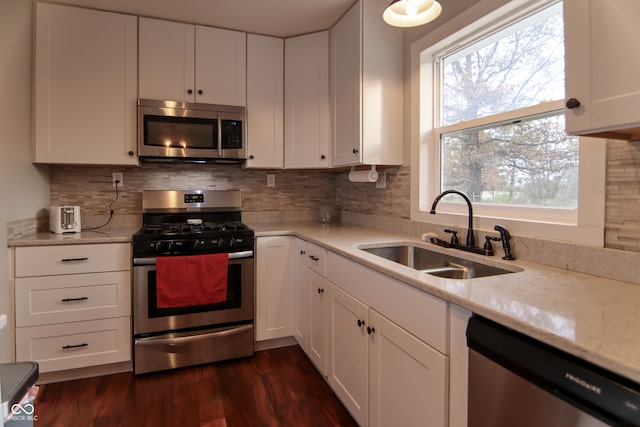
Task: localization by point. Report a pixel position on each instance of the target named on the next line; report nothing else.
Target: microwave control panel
(231, 134)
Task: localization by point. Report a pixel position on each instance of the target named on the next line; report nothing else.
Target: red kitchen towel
(183, 281)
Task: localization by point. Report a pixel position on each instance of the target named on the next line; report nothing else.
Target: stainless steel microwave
(182, 131)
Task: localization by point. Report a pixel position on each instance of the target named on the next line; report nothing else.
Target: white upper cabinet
(265, 74)
(307, 127)
(167, 52)
(221, 66)
(366, 88)
(85, 86)
(183, 62)
(601, 69)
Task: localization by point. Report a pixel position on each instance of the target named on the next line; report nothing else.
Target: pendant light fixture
(411, 13)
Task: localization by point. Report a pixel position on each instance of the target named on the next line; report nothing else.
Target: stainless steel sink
(435, 263)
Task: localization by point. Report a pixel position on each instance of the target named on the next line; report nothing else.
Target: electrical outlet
(271, 180)
(382, 180)
(117, 176)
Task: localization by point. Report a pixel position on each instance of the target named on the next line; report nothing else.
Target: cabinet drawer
(75, 345)
(72, 298)
(316, 258)
(72, 259)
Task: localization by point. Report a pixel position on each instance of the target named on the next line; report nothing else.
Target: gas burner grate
(186, 228)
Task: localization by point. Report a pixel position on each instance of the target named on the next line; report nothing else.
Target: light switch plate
(271, 180)
(382, 180)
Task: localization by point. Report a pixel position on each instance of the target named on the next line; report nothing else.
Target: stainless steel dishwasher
(516, 381)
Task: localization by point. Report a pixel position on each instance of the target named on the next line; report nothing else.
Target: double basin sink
(435, 263)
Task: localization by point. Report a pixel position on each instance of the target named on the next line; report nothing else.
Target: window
(492, 126)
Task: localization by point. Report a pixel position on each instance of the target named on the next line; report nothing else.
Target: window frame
(586, 226)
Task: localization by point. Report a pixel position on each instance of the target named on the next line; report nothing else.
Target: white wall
(24, 188)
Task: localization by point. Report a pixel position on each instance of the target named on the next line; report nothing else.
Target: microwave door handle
(219, 135)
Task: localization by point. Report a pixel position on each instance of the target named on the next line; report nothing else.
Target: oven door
(149, 319)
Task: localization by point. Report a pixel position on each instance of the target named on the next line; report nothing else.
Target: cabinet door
(85, 86)
(601, 71)
(221, 66)
(408, 378)
(350, 354)
(382, 76)
(320, 290)
(166, 60)
(307, 101)
(274, 290)
(458, 366)
(346, 60)
(265, 74)
(301, 294)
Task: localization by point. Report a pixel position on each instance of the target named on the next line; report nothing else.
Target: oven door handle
(232, 255)
(194, 338)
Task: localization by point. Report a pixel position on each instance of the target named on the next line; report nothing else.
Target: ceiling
(280, 18)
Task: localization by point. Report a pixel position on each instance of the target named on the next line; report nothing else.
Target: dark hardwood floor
(278, 387)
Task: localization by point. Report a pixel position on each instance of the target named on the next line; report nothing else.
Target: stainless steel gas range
(193, 280)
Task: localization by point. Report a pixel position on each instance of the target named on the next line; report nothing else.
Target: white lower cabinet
(393, 354)
(350, 354)
(458, 365)
(274, 288)
(301, 294)
(311, 297)
(320, 295)
(389, 348)
(383, 374)
(73, 305)
(407, 378)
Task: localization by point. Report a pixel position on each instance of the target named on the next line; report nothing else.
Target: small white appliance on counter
(64, 219)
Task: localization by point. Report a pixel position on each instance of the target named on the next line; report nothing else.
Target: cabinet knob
(572, 103)
(131, 152)
(320, 290)
(323, 157)
(355, 151)
(360, 323)
(302, 252)
(314, 258)
(370, 330)
(251, 157)
(200, 91)
(190, 91)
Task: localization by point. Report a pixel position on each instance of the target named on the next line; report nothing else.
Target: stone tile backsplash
(622, 215)
(297, 194)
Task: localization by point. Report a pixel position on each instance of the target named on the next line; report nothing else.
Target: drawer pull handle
(74, 299)
(313, 257)
(68, 346)
(74, 259)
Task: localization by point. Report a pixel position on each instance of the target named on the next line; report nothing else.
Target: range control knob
(164, 246)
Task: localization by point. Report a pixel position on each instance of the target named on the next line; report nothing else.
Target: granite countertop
(107, 235)
(591, 317)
